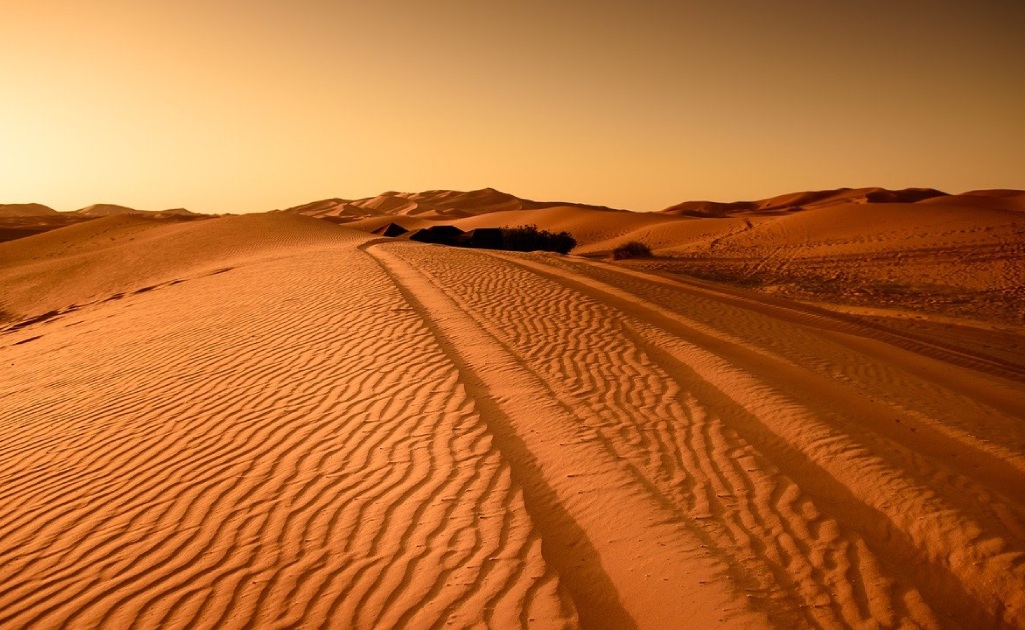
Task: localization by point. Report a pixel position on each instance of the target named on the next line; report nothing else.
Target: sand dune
(239, 447)
(18, 220)
(995, 199)
(914, 250)
(919, 249)
(25, 210)
(431, 204)
(803, 200)
(109, 257)
(109, 209)
(274, 421)
(944, 258)
(21, 220)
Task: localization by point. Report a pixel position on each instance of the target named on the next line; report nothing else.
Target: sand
(956, 256)
(277, 421)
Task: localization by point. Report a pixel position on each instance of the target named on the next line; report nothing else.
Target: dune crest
(428, 205)
(26, 210)
(804, 200)
(110, 209)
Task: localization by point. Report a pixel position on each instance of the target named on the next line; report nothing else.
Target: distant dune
(803, 200)
(25, 210)
(901, 251)
(20, 220)
(1011, 200)
(109, 209)
(432, 204)
(919, 248)
(274, 420)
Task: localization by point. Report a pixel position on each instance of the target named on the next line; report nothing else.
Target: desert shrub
(527, 238)
(440, 234)
(632, 249)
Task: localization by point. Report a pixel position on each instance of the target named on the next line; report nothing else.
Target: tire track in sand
(621, 552)
(941, 507)
(282, 445)
(823, 521)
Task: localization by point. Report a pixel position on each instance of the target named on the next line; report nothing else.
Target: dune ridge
(26, 210)
(227, 474)
(793, 202)
(110, 209)
(427, 205)
(22, 220)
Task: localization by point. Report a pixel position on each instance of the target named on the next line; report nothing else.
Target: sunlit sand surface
(275, 421)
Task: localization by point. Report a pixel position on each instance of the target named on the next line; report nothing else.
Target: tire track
(964, 524)
(885, 528)
(269, 447)
(632, 403)
(560, 459)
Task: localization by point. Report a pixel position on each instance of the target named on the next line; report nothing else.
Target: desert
(806, 411)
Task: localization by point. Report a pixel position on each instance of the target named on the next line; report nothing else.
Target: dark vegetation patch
(392, 229)
(439, 235)
(631, 249)
(528, 238)
(525, 238)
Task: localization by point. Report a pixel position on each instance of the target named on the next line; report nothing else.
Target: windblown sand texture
(273, 421)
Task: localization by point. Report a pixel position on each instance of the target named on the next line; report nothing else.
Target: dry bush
(632, 249)
(527, 238)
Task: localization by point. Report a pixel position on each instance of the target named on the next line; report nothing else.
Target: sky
(252, 105)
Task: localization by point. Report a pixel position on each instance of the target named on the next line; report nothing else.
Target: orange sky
(250, 105)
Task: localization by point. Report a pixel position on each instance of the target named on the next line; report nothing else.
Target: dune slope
(281, 422)
(278, 444)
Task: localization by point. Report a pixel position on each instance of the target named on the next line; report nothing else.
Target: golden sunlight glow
(238, 107)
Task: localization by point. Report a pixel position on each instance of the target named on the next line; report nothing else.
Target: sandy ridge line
(900, 516)
(546, 441)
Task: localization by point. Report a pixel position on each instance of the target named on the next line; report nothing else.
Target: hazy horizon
(640, 106)
(409, 192)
